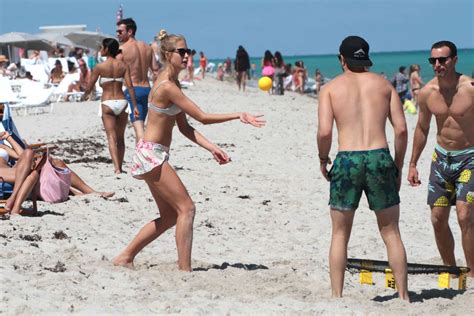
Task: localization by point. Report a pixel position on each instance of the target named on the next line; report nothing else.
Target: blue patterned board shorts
(451, 177)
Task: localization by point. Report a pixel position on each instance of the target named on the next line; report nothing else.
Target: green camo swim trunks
(371, 171)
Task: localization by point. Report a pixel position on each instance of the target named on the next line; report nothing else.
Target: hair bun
(162, 34)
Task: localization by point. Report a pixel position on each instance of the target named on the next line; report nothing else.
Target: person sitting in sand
(113, 74)
(25, 174)
(169, 106)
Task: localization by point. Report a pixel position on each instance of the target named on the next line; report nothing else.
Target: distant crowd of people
(408, 85)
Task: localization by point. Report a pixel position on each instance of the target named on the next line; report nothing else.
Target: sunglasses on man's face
(183, 51)
(120, 31)
(441, 60)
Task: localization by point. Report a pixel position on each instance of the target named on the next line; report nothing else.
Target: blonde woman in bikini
(112, 74)
(169, 106)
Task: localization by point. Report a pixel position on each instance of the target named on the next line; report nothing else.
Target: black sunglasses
(183, 51)
(119, 31)
(441, 60)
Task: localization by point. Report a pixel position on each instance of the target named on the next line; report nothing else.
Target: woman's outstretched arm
(177, 97)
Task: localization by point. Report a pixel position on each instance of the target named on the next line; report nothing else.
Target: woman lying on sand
(25, 174)
(168, 106)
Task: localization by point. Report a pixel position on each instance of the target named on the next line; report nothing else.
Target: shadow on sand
(47, 212)
(225, 265)
(423, 295)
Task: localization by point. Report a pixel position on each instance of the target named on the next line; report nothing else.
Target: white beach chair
(39, 72)
(52, 62)
(6, 93)
(60, 92)
(33, 96)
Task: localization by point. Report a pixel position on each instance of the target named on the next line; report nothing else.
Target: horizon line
(334, 54)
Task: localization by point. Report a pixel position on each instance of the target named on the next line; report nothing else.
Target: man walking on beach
(449, 96)
(139, 57)
(361, 102)
(400, 82)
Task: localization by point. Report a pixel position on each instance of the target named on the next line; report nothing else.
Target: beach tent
(87, 39)
(57, 38)
(24, 40)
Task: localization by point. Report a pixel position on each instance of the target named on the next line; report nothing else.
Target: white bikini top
(4, 154)
(103, 80)
(173, 109)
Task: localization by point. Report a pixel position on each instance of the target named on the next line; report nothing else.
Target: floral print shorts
(147, 156)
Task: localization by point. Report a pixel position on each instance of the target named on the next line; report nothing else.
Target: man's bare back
(453, 109)
(139, 57)
(360, 103)
(358, 98)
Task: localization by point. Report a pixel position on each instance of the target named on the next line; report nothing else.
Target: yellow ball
(409, 107)
(265, 83)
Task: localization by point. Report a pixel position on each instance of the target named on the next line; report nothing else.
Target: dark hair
(356, 68)
(278, 59)
(268, 56)
(70, 65)
(129, 25)
(452, 48)
(402, 68)
(112, 46)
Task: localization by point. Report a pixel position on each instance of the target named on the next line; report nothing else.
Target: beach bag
(54, 183)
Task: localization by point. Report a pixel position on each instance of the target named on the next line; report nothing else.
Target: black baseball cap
(355, 51)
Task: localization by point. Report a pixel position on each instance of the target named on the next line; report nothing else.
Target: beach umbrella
(57, 38)
(87, 39)
(25, 40)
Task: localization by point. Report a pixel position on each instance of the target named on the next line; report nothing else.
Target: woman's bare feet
(9, 204)
(25, 212)
(123, 261)
(106, 194)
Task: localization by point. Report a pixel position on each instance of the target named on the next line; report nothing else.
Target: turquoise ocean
(386, 62)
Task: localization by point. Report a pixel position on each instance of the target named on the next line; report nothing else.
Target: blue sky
(295, 27)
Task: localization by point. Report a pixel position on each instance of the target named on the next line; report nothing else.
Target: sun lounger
(33, 96)
(60, 93)
(6, 93)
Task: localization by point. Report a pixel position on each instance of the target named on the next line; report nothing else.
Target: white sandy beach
(262, 229)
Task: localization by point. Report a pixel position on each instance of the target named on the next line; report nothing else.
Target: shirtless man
(139, 57)
(449, 96)
(360, 102)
